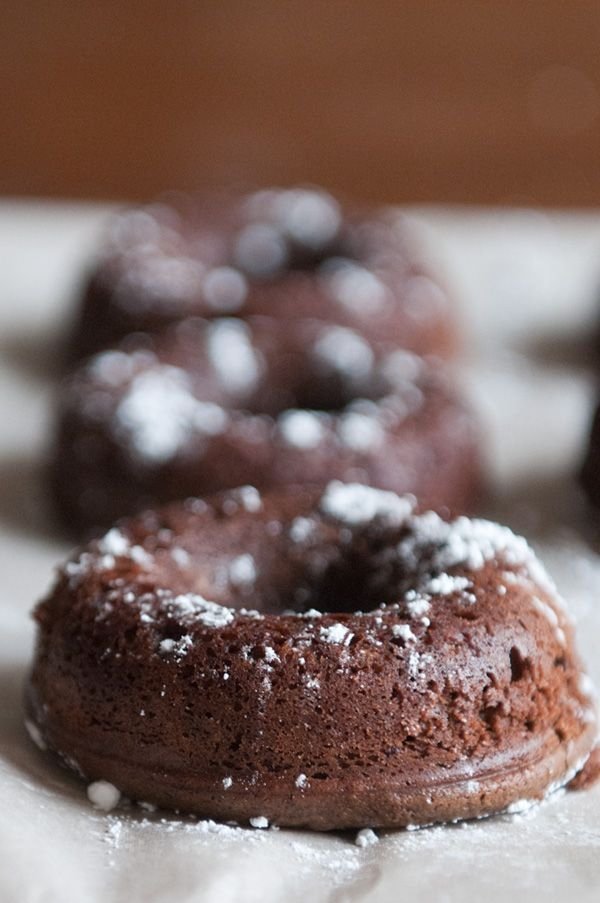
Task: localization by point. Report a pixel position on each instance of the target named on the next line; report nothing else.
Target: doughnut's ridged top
(329, 660)
(208, 405)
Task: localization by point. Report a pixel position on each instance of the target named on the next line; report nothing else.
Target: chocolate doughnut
(287, 253)
(213, 404)
(315, 659)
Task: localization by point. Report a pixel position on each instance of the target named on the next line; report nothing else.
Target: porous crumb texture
(323, 659)
(209, 405)
(293, 253)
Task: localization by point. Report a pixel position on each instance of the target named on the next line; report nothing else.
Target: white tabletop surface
(528, 287)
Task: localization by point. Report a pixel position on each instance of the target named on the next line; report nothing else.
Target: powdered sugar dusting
(354, 286)
(114, 543)
(445, 585)
(159, 413)
(302, 429)
(225, 289)
(301, 529)
(192, 608)
(439, 545)
(308, 217)
(336, 633)
(344, 352)
(35, 734)
(233, 356)
(242, 570)
(360, 432)
(404, 632)
(246, 497)
(366, 837)
(103, 795)
(355, 503)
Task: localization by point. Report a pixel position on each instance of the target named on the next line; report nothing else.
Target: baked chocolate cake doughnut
(213, 404)
(290, 253)
(316, 659)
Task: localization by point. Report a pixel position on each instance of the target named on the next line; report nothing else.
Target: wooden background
(407, 101)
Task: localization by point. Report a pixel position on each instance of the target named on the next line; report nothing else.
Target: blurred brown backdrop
(454, 100)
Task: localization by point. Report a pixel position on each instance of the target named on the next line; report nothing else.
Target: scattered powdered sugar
(114, 543)
(260, 249)
(177, 648)
(140, 556)
(301, 781)
(470, 543)
(233, 356)
(103, 795)
(404, 632)
(113, 832)
(336, 633)
(102, 560)
(360, 432)
(242, 570)
(270, 655)
(354, 286)
(416, 604)
(154, 280)
(311, 218)
(113, 368)
(302, 429)
(180, 556)
(227, 782)
(341, 350)
(446, 584)
(520, 806)
(159, 413)
(366, 837)
(147, 807)
(35, 734)
(301, 529)
(259, 821)
(191, 608)
(247, 497)
(355, 503)
(401, 367)
(225, 289)
(546, 610)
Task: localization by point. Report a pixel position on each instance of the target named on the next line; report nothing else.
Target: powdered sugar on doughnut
(336, 633)
(192, 608)
(360, 432)
(233, 356)
(242, 570)
(311, 218)
(469, 543)
(301, 429)
(354, 286)
(355, 503)
(159, 413)
(225, 289)
(151, 280)
(246, 497)
(343, 351)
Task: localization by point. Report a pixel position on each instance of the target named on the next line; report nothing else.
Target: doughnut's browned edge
(363, 803)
